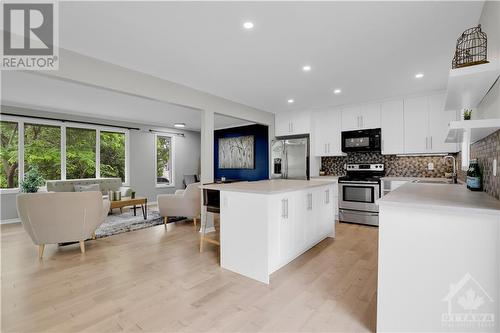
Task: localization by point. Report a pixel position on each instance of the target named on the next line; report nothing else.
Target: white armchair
(186, 203)
(58, 217)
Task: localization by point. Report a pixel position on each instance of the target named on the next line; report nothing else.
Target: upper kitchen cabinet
(292, 123)
(426, 125)
(439, 121)
(327, 130)
(392, 124)
(416, 125)
(364, 116)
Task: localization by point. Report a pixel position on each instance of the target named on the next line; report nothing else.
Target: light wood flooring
(156, 280)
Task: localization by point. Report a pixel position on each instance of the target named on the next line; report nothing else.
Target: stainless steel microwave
(368, 140)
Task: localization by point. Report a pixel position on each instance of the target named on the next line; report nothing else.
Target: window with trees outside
(164, 170)
(60, 150)
(80, 153)
(9, 132)
(42, 149)
(113, 155)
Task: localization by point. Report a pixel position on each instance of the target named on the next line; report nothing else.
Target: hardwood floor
(156, 280)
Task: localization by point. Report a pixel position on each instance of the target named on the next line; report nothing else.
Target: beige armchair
(51, 218)
(186, 203)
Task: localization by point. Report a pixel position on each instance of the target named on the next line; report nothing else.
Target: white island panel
(430, 238)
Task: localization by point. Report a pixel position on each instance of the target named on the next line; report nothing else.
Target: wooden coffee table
(126, 201)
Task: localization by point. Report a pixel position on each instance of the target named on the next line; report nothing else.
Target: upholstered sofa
(105, 185)
(51, 218)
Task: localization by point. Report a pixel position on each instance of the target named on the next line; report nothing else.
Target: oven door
(359, 196)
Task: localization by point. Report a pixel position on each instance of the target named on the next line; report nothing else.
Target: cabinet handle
(426, 142)
(361, 121)
(325, 149)
(327, 196)
(328, 146)
(286, 209)
(309, 201)
(282, 208)
(431, 142)
(292, 126)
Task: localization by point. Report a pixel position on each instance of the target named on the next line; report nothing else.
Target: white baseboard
(10, 221)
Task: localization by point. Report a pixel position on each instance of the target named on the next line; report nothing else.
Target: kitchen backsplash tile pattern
(485, 151)
(395, 166)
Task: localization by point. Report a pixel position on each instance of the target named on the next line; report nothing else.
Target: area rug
(125, 222)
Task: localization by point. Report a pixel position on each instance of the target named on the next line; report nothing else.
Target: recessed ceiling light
(306, 68)
(290, 101)
(179, 125)
(248, 25)
(419, 75)
(337, 91)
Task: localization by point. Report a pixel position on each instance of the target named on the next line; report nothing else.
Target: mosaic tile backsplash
(395, 166)
(485, 151)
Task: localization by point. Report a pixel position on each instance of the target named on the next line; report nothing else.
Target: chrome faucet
(454, 175)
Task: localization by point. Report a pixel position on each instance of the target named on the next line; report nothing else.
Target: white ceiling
(28, 90)
(371, 50)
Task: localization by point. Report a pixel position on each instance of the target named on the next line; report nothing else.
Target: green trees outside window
(112, 155)
(80, 153)
(42, 149)
(163, 162)
(8, 154)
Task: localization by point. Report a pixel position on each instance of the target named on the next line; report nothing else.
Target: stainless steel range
(358, 193)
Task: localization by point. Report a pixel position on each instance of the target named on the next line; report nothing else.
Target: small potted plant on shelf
(467, 114)
(32, 181)
(132, 195)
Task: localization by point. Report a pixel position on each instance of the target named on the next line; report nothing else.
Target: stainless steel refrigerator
(290, 158)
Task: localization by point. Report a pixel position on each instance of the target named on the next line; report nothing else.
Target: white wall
(142, 162)
(142, 148)
(490, 23)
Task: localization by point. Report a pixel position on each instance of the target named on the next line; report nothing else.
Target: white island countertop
(272, 186)
(449, 196)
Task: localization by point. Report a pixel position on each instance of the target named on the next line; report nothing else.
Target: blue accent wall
(261, 138)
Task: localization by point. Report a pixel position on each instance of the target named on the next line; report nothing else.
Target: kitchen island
(439, 248)
(266, 224)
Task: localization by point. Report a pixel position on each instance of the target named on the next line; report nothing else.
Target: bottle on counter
(474, 176)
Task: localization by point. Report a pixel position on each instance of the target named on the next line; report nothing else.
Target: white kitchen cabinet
(307, 217)
(363, 116)
(287, 229)
(370, 115)
(392, 125)
(292, 123)
(351, 117)
(439, 124)
(426, 125)
(327, 131)
(416, 125)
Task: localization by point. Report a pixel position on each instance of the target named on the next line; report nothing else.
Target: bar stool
(211, 202)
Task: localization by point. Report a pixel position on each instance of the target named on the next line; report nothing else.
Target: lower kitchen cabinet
(306, 218)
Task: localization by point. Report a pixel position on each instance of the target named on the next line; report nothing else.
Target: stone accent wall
(395, 166)
(485, 151)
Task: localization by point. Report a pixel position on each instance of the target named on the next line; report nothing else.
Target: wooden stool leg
(82, 246)
(40, 251)
(202, 236)
(194, 221)
(165, 220)
(93, 235)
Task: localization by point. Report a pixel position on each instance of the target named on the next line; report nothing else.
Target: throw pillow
(87, 188)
